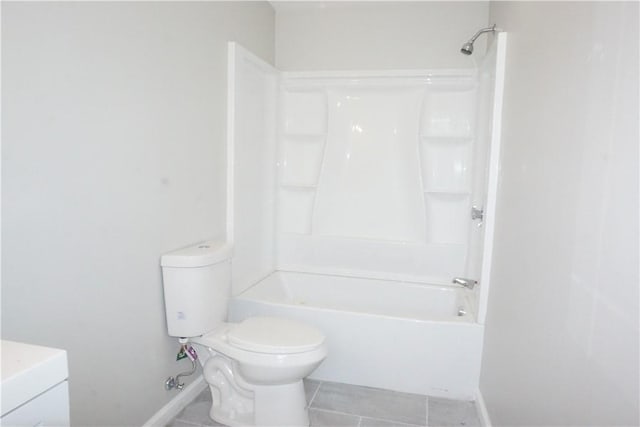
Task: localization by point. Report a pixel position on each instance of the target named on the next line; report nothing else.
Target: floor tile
(320, 418)
(374, 422)
(310, 388)
(179, 423)
(450, 413)
(197, 413)
(334, 404)
(205, 396)
(372, 403)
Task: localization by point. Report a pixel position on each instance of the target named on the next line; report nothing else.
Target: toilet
(254, 368)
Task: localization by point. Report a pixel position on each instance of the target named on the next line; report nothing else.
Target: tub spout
(467, 283)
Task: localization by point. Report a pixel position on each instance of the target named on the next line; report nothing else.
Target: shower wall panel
(251, 154)
(370, 184)
(375, 173)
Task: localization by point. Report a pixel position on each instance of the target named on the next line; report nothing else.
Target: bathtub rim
(469, 318)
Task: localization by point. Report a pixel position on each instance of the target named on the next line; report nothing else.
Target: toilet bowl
(254, 368)
(255, 377)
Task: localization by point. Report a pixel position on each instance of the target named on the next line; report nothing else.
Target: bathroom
(114, 119)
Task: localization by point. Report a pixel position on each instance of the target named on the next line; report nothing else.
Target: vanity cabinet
(35, 388)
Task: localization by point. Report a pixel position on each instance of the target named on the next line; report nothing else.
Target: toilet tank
(197, 287)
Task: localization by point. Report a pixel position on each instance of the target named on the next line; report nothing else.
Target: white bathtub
(400, 336)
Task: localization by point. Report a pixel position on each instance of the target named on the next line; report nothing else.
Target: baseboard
(485, 421)
(177, 404)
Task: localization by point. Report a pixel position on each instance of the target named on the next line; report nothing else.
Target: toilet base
(237, 403)
(274, 405)
(281, 405)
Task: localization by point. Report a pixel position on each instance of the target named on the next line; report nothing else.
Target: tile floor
(334, 404)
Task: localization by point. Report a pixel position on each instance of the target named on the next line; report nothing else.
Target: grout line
(362, 417)
(426, 418)
(388, 420)
(315, 393)
(394, 422)
(336, 412)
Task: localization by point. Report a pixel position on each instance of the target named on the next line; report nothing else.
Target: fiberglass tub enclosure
(357, 189)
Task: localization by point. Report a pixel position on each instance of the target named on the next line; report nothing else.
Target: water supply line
(174, 382)
(180, 385)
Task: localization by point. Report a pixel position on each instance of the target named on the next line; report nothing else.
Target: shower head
(467, 48)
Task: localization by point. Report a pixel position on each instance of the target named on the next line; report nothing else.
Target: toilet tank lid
(199, 255)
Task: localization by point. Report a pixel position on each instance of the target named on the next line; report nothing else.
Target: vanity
(34, 386)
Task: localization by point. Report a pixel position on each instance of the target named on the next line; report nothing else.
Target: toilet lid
(274, 335)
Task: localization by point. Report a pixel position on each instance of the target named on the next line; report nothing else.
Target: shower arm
(484, 30)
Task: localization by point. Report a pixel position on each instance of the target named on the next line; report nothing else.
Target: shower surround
(356, 189)
(375, 174)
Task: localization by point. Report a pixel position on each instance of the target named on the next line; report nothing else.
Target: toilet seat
(268, 368)
(274, 335)
(264, 339)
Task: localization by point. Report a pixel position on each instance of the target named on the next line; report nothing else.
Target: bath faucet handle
(462, 281)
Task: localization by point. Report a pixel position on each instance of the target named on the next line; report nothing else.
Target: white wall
(376, 35)
(561, 343)
(113, 153)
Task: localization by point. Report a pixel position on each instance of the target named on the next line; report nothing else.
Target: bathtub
(408, 337)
